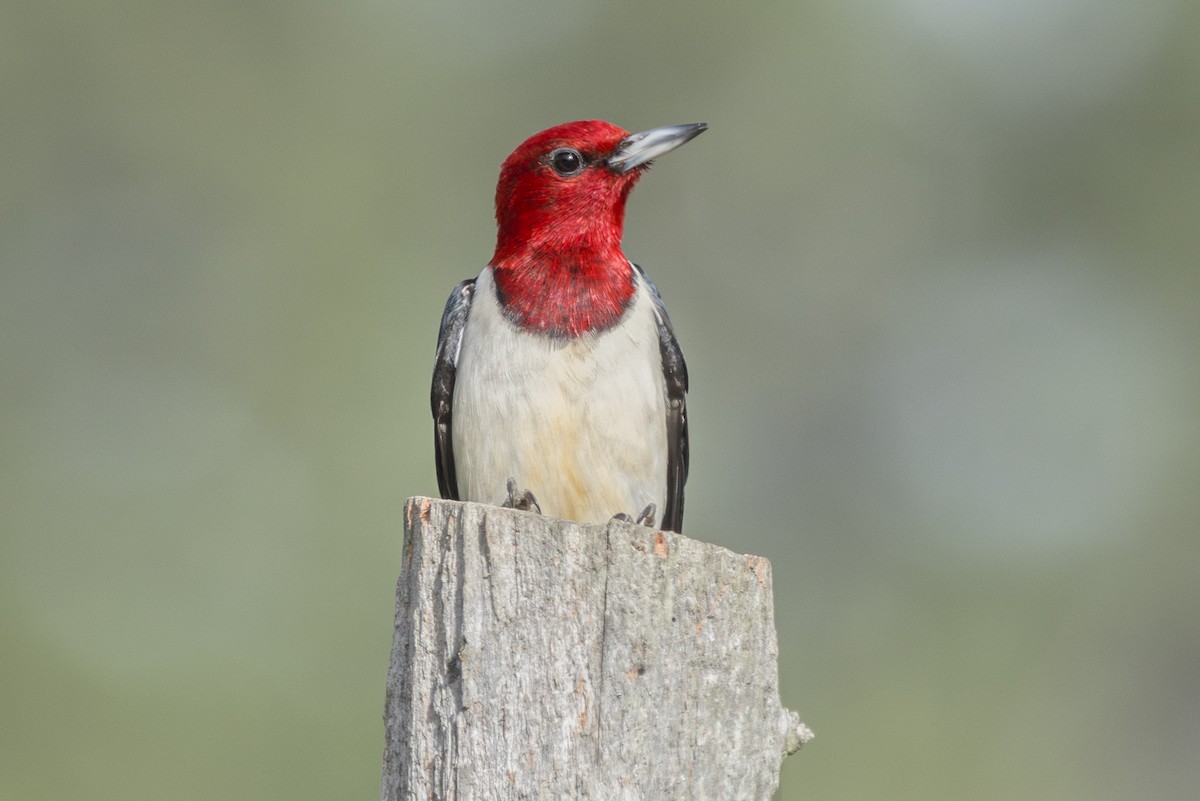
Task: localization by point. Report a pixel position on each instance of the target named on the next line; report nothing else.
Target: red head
(560, 210)
(557, 193)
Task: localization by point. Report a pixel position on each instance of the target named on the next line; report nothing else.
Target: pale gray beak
(639, 148)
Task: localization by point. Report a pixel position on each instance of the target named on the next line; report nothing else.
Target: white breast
(579, 422)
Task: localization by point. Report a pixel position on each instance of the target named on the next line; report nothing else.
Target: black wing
(676, 378)
(441, 396)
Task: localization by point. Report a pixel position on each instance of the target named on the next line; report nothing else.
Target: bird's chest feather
(579, 421)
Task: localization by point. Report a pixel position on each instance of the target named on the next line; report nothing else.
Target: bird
(559, 386)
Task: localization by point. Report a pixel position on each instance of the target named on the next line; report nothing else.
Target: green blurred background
(935, 267)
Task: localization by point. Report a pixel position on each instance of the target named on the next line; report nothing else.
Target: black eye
(566, 162)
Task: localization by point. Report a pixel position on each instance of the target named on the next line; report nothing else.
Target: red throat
(558, 266)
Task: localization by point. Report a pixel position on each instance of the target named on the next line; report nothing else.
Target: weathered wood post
(538, 658)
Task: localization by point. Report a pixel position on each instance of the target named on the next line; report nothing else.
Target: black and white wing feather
(676, 379)
(441, 396)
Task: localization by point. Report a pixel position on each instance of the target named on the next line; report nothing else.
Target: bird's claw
(646, 518)
(522, 500)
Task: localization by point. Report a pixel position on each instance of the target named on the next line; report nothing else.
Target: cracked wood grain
(539, 658)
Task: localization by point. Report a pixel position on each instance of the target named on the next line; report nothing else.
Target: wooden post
(538, 658)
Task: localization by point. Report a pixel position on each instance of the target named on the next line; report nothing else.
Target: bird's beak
(639, 148)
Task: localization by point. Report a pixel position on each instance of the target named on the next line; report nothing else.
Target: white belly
(579, 422)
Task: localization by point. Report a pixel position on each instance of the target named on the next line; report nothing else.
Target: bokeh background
(935, 267)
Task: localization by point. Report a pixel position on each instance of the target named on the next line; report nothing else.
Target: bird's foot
(522, 500)
(646, 518)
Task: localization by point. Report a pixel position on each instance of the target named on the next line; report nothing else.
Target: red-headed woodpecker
(557, 368)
